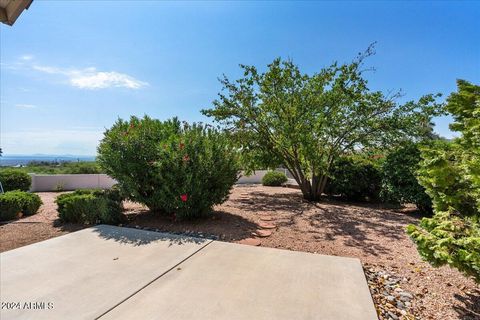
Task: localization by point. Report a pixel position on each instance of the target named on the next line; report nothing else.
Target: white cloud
(100, 80)
(25, 106)
(90, 78)
(26, 57)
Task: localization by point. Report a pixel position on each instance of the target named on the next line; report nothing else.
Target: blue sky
(69, 69)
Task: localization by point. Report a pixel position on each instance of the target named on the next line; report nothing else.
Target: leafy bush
(399, 178)
(450, 173)
(354, 178)
(14, 202)
(171, 168)
(15, 180)
(274, 178)
(91, 206)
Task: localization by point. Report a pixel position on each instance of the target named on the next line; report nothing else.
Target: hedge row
(91, 207)
(14, 204)
(12, 179)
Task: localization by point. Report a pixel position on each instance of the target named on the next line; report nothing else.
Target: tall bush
(170, 167)
(399, 178)
(354, 178)
(450, 173)
(12, 179)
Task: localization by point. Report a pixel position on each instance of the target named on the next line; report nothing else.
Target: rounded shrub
(354, 179)
(90, 206)
(15, 203)
(274, 178)
(399, 178)
(12, 179)
(170, 167)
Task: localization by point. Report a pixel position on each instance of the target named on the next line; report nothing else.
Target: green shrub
(171, 168)
(399, 178)
(274, 178)
(12, 179)
(90, 206)
(14, 202)
(450, 173)
(354, 179)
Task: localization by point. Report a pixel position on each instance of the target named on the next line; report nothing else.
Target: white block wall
(69, 182)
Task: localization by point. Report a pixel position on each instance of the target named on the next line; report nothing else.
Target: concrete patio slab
(84, 274)
(231, 281)
(107, 272)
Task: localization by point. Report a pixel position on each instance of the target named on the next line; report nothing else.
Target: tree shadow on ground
(365, 226)
(470, 310)
(220, 224)
(360, 226)
(261, 201)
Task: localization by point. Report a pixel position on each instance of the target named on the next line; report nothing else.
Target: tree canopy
(303, 122)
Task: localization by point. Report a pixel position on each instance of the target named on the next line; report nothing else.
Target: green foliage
(450, 173)
(449, 238)
(14, 202)
(171, 168)
(305, 122)
(354, 178)
(274, 178)
(399, 178)
(12, 179)
(47, 167)
(91, 206)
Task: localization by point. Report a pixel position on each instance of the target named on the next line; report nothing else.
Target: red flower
(186, 158)
(182, 145)
(184, 197)
(132, 126)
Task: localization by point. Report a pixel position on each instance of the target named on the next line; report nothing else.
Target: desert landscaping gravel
(402, 285)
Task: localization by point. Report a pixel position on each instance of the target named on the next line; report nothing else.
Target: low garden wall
(68, 182)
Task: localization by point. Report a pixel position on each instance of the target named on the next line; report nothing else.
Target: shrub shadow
(220, 224)
(138, 237)
(470, 308)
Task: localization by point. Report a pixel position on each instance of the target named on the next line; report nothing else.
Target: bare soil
(374, 234)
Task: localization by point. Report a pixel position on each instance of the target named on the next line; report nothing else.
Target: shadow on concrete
(470, 308)
(138, 237)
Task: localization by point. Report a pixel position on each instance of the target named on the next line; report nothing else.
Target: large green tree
(303, 122)
(450, 173)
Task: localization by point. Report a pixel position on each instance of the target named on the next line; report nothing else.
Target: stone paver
(266, 218)
(250, 242)
(262, 233)
(267, 225)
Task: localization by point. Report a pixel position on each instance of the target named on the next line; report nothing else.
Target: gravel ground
(371, 233)
(41, 226)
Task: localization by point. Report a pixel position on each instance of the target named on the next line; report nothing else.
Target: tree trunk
(312, 190)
